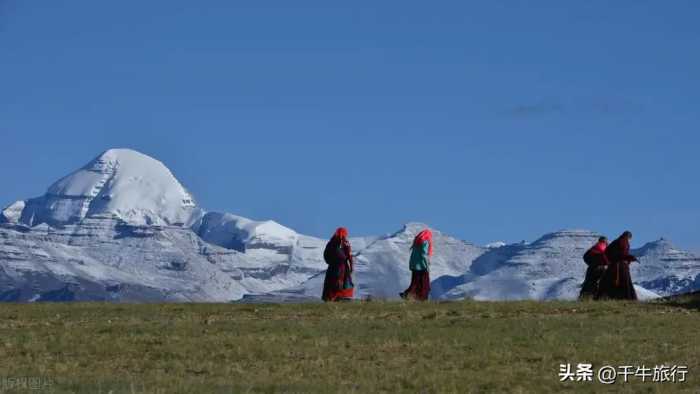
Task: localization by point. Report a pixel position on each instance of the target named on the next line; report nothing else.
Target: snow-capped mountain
(123, 228)
(119, 183)
(381, 264)
(549, 268)
(107, 259)
(275, 257)
(666, 269)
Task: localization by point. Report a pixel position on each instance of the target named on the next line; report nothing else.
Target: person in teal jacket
(419, 264)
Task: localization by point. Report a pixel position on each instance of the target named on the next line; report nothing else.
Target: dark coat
(597, 263)
(616, 282)
(338, 282)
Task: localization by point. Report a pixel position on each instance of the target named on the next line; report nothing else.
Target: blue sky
(492, 120)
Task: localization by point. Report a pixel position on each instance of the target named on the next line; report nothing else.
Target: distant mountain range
(124, 229)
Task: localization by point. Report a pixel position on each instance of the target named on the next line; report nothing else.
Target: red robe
(616, 283)
(419, 289)
(597, 264)
(338, 283)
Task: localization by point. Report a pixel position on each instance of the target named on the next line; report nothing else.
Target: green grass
(350, 347)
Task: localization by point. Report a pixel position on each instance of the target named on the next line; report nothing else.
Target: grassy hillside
(354, 347)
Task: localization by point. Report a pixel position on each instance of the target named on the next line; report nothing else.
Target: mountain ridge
(123, 228)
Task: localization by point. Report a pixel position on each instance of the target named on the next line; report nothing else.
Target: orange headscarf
(423, 237)
(341, 233)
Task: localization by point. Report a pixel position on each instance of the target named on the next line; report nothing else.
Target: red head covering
(423, 237)
(341, 233)
(601, 246)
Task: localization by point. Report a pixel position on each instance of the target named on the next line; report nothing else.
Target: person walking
(419, 264)
(616, 282)
(597, 264)
(338, 284)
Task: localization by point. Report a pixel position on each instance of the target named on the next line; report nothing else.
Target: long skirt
(419, 289)
(590, 285)
(338, 284)
(616, 283)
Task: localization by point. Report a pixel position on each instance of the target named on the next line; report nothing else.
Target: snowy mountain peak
(123, 228)
(120, 183)
(666, 269)
(568, 237)
(235, 232)
(12, 213)
(495, 245)
(661, 245)
(576, 233)
(414, 228)
(665, 248)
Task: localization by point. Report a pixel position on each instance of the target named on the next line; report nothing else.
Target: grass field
(352, 347)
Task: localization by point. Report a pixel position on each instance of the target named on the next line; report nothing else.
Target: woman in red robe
(597, 264)
(338, 285)
(616, 283)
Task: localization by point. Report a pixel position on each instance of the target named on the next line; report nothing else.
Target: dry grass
(353, 347)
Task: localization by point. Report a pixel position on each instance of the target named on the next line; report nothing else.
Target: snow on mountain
(235, 232)
(666, 269)
(119, 183)
(275, 256)
(382, 267)
(12, 213)
(548, 268)
(381, 264)
(107, 259)
(123, 228)
(552, 268)
(119, 229)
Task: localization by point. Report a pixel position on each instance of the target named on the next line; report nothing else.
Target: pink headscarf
(423, 237)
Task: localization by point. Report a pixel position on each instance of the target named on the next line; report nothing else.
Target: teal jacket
(420, 261)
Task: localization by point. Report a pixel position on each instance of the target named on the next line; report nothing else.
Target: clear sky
(489, 120)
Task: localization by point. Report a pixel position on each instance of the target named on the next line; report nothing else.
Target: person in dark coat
(616, 283)
(338, 285)
(597, 265)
